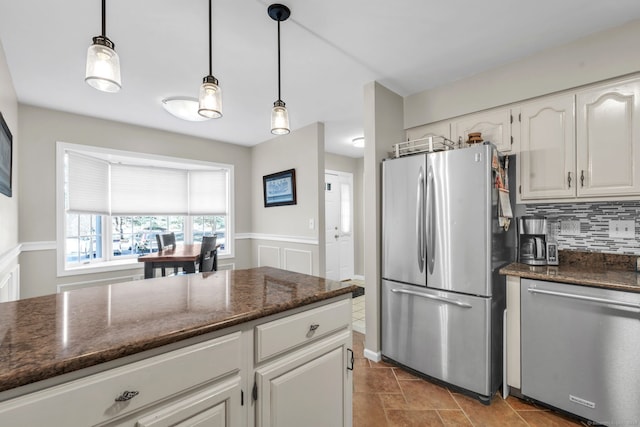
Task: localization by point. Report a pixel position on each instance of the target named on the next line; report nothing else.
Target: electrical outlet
(312, 224)
(622, 229)
(570, 228)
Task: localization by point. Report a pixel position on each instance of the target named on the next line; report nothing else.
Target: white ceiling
(330, 50)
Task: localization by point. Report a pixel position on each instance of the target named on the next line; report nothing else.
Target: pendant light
(103, 64)
(279, 114)
(210, 99)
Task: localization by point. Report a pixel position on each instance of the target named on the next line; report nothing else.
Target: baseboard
(374, 356)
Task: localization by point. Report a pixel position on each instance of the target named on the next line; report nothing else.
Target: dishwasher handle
(433, 297)
(585, 298)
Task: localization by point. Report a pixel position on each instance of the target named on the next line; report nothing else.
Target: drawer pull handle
(313, 327)
(127, 395)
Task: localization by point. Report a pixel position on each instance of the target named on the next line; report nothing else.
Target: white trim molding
(274, 250)
(278, 238)
(9, 256)
(39, 246)
(374, 356)
(290, 252)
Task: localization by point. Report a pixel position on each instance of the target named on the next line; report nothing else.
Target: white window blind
(88, 181)
(208, 192)
(141, 190)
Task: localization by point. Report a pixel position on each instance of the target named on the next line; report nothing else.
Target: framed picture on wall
(279, 188)
(6, 153)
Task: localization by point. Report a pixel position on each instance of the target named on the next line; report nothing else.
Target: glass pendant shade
(103, 66)
(279, 119)
(210, 99)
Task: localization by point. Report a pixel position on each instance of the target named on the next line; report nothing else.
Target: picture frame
(6, 157)
(552, 254)
(279, 189)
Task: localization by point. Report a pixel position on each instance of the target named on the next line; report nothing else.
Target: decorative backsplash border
(594, 225)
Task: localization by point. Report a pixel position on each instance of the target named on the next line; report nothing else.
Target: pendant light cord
(104, 19)
(279, 97)
(210, 43)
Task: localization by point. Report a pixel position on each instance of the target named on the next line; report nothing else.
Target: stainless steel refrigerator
(442, 296)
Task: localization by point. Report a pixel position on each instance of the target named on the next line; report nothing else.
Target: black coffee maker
(532, 240)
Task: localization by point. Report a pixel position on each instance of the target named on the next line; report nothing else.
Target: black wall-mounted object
(6, 156)
(279, 188)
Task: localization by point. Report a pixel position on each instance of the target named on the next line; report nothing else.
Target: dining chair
(165, 241)
(208, 254)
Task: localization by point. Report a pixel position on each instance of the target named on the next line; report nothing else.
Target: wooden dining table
(182, 256)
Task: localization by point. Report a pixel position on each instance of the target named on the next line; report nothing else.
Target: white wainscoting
(268, 256)
(10, 285)
(298, 260)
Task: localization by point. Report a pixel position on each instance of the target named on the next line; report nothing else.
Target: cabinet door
(547, 151)
(310, 388)
(608, 140)
(495, 126)
(216, 406)
(432, 129)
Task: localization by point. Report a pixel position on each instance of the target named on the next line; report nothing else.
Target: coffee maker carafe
(532, 240)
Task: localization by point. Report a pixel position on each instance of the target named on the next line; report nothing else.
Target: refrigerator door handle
(420, 220)
(432, 297)
(431, 241)
(585, 298)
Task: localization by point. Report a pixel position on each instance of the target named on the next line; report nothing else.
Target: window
(113, 203)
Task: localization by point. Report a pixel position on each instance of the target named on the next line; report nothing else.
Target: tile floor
(384, 395)
(358, 314)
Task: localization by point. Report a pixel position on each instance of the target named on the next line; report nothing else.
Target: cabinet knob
(569, 178)
(127, 395)
(313, 327)
(582, 178)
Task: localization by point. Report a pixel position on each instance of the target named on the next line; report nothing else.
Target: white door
(339, 225)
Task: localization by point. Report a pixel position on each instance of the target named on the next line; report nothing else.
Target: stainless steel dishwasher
(581, 350)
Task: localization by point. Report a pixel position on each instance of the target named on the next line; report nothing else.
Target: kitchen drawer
(278, 336)
(92, 400)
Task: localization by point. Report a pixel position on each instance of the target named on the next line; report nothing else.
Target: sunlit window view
(99, 197)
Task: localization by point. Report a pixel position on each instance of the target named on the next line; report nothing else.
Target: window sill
(115, 265)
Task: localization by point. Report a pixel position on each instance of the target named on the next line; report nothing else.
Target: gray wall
(383, 113)
(41, 128)
(597, 57)
(356, 167)
(9, 205)
(284, 230)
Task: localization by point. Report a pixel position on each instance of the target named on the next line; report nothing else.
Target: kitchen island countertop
(51, 335)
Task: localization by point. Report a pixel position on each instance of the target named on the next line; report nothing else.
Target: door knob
(336, 236)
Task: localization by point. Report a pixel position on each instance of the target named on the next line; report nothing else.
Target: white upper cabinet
(432, 129)
(608, 135)
(547, 149)
(495, 126)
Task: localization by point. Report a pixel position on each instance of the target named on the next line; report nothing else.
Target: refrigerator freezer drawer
(441, 334)
(580, 350)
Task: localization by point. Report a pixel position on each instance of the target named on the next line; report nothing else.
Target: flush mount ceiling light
(358, 142)
(210, 105)
(279, 114)
(103, 64)
(183, 107)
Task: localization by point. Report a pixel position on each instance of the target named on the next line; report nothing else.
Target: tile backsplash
(593, 221)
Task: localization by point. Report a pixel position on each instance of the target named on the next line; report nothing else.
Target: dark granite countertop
(47, 336)
(609, 271)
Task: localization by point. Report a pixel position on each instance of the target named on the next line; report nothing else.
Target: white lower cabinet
(110, 397)
(298, 372)
(308, 388)
(305, 378)
(215, 406)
